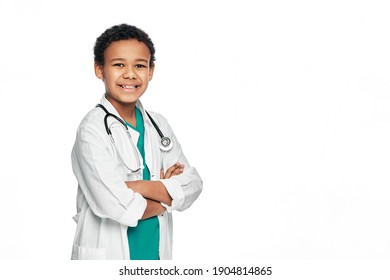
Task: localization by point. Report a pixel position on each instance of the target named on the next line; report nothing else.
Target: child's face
(126, 72)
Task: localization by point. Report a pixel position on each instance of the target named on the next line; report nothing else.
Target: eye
(140, 66)
(119, 65)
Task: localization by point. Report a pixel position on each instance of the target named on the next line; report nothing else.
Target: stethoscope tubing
(108, 114)
(166, 142)
(108, 130)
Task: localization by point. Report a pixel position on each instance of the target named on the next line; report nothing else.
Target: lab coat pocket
(85, 253)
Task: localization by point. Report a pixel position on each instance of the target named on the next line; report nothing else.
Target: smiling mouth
(129, 87)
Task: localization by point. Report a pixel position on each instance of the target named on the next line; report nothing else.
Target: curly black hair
(121, 32)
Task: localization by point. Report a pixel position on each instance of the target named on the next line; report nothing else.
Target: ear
(99, 71)
(151, 71)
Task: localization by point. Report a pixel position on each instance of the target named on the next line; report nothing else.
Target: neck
(125, 110)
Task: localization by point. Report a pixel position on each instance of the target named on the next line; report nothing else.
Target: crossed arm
(155, 191)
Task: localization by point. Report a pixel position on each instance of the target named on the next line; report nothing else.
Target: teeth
(128, 87)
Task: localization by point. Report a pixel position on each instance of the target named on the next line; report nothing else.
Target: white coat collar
(112, 109)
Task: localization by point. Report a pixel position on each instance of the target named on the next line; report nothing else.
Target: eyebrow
(122, 59)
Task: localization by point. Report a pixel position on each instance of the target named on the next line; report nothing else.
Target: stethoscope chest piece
(166, 144)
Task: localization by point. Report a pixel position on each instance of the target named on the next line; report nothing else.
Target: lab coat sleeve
(186, 187)
(103, 187)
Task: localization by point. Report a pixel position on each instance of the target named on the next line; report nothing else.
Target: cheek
(111, 77)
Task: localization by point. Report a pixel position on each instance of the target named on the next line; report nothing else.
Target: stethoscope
(166, 143)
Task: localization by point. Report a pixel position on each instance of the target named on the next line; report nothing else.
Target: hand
(175, 169)
(155, 190)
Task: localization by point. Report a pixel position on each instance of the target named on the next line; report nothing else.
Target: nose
(129, 74)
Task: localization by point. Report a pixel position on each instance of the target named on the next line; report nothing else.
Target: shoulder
(157, 116)
(161, 121)
(92, 122)
(90, 133)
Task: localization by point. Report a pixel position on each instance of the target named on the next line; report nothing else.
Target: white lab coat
(105, 206)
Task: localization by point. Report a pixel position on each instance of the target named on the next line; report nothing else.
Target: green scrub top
(144, 238)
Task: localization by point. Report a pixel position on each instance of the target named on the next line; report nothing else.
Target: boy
(125, 193)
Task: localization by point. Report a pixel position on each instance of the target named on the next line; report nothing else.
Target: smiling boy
(122, 214)
(125, 85)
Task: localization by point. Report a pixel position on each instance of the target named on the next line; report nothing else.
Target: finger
(169, 172)
(181, 167)
(162, 173)
(177, 171)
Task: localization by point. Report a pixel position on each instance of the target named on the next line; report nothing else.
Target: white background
(282, 106)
